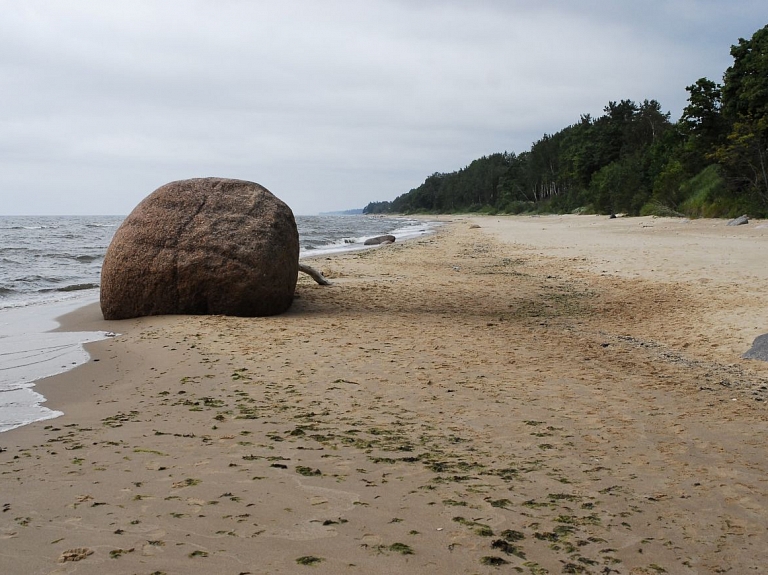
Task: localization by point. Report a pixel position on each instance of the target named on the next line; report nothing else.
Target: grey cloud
(329, 104)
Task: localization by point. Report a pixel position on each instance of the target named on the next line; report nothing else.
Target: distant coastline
(711, 163)
(353, 212)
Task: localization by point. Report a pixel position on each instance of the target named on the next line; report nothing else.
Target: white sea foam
(409, 229)
(29, 351)
(50, 264)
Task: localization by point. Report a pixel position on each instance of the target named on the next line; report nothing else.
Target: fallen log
(314, 274)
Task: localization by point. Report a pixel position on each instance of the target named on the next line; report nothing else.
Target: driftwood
(314, 274)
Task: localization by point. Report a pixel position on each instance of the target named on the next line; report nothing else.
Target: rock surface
(379, 240)
(203, 246)
(759, 349)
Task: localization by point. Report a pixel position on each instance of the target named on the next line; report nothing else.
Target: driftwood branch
(314, 274)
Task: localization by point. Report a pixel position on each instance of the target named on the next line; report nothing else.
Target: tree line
(712, 162)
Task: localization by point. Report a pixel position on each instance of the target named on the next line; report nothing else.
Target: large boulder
(203, 246)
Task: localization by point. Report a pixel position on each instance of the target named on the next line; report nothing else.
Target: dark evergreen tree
(744, 154)
(631, 159)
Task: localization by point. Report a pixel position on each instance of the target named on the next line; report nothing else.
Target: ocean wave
(83, 258)
(12, 417)
(62, 257)
(23, 299)
(36, 279)
(322, 243)
(78, 287)
(87, 259)
(15, 386)
(71, 287)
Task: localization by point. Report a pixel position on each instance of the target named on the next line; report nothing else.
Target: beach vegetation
(493, 561)
(633, 159)
(508, 548)
(534, 568)
(116, 553)
(198, 553)
(307, 471)
(188, 482)
(511, 535)
(151, 451)
(401, 548)
(574, 568)
(309, 560)
(340, 521)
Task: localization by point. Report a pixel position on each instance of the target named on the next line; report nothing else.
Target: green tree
(702, 124)
(745, 83)
(712, 162)
(702, 118)
(744, 155)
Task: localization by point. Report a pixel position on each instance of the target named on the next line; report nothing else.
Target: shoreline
(38, 343)
(451, 403)
(33, 349)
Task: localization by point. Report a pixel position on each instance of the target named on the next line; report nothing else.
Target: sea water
(30, 351)
(51, 265)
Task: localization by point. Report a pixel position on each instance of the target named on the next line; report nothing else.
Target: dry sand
(537, 395)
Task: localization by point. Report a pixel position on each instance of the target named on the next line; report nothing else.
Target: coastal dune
(561, 394)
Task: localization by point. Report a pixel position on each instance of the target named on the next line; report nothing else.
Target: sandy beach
(559, 394)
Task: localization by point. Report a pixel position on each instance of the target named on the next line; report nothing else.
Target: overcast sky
(329, 104)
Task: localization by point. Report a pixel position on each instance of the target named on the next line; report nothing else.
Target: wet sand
(537, 395)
